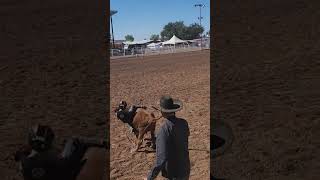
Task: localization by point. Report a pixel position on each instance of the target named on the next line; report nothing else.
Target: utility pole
(111, 14)
(112, 32)
(200, 17)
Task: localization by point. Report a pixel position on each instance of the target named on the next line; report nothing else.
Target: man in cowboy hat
(172, 154)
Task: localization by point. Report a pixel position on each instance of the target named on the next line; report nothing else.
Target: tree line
(178, 28)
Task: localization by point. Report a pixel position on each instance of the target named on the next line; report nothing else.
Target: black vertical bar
(112, 33)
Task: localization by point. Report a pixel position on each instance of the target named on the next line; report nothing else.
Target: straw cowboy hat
(169, 105)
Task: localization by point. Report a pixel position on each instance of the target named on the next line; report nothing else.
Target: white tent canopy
(137, 42)
(154, 45)
(174, 40)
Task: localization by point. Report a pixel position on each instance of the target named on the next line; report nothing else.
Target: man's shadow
(147, 151)
(147, 148)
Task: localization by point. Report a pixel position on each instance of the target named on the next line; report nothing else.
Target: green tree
(173, 28)
(154, 37)
(182, 31)
(194, 31)
(129, 38)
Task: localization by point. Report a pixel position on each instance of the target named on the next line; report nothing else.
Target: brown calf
(144, 122)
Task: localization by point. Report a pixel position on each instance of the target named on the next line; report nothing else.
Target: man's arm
(162, 154)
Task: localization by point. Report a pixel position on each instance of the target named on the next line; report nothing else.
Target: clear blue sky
(142, 18)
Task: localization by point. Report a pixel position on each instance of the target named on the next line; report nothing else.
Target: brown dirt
(182, 75)
(266, 86)
(50, 72)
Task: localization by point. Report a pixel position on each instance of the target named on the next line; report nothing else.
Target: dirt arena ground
(265, 80)
(50, 72)
(266, 74)
(182, 75)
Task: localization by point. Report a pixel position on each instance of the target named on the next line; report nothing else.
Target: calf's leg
(140, 139)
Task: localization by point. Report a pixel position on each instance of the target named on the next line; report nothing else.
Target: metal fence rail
(115, 53)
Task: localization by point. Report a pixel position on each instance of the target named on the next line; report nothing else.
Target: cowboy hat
(221, 138)
(169, 105)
